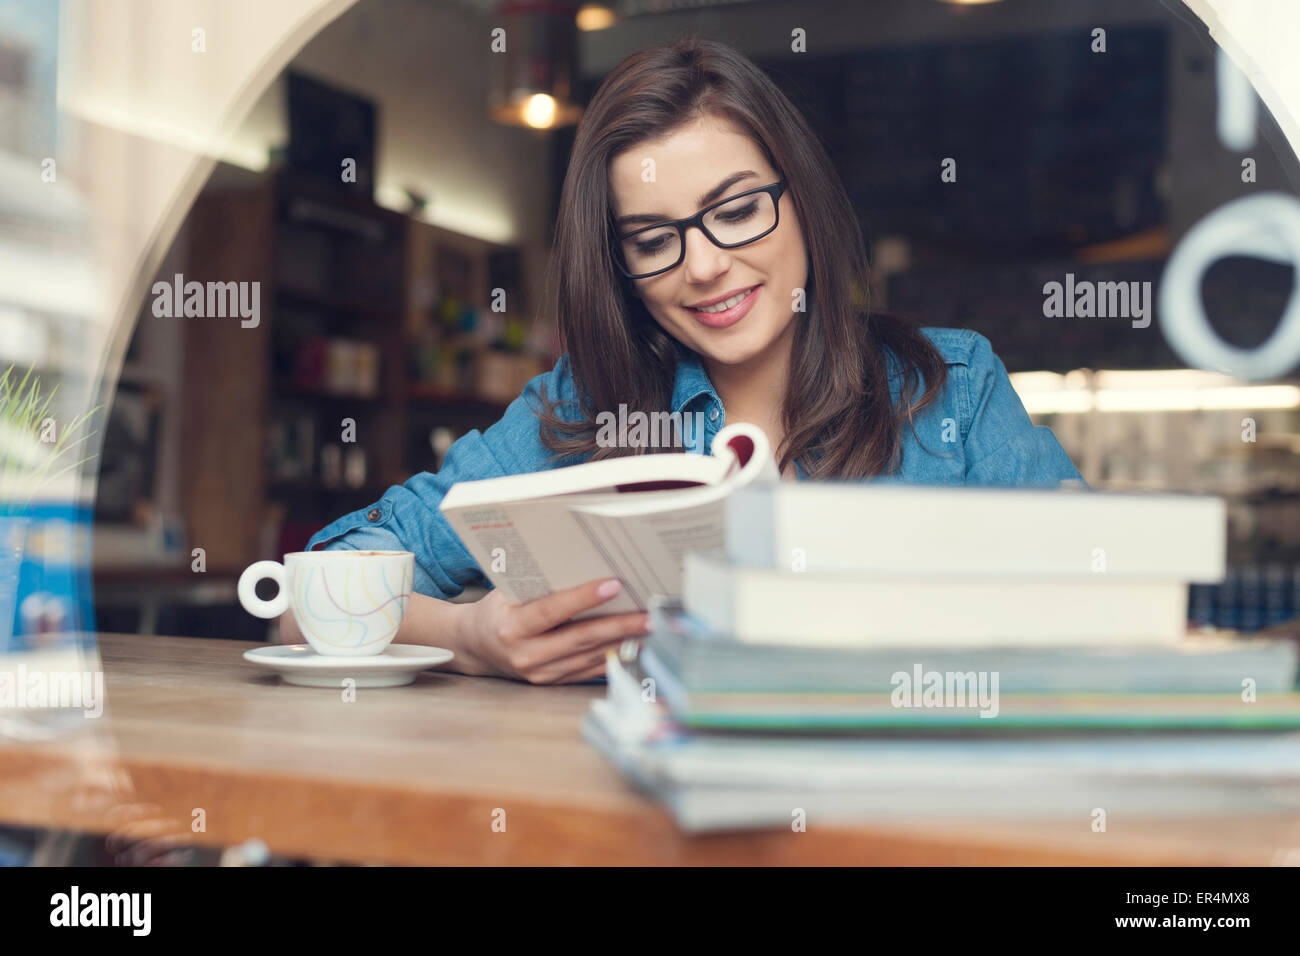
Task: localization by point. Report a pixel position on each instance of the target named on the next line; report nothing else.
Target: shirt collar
(691, 380)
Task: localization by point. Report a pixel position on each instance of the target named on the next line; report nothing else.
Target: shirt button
(713, 415)
(374, 514)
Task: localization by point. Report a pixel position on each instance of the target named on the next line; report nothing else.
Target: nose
(704, 261)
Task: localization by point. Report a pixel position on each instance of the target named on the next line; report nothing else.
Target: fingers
(590, 674)
(579, 667)
(539, 642)
(580, 637)
(542, 615)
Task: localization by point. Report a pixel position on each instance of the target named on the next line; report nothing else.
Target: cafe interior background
(214, 443)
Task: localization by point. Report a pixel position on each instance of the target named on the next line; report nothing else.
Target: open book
(633, 518)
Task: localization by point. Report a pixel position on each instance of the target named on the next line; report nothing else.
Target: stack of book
(876, 650)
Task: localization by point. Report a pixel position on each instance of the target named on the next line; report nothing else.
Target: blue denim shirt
(976, 432)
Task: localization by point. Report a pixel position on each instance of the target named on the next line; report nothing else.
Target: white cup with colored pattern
(347, 603)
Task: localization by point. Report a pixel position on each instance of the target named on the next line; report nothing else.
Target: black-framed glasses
(735, 221)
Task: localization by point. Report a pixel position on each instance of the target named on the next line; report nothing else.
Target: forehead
(669, 174)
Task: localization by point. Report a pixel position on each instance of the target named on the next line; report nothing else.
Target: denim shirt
(976, 432)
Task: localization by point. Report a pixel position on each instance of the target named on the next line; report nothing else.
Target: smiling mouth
(724, 305)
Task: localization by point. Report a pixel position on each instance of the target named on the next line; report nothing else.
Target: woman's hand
(538, 641)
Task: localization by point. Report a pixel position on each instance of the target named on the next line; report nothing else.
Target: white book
(633, 518)
(770, 606)
(842, 527)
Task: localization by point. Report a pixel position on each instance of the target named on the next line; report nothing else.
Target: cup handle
(248, 596)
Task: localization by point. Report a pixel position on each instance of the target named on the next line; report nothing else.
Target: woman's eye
(738, 215)
(645, 248)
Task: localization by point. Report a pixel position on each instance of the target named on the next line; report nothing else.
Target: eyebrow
(715, 193)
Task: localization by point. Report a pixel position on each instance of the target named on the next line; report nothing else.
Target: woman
(707, 259)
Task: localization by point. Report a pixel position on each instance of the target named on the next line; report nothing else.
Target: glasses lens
(651, 250)
(742, 219)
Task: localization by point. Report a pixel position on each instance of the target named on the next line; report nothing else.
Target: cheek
(799, 257)
(659, 298)
(794, 252)
(790, 272)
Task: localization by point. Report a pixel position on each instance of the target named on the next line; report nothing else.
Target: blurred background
(399, 297)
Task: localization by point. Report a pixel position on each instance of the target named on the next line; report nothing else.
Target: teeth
(724, 306)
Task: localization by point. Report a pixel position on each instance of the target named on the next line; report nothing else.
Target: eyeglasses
(735, 221)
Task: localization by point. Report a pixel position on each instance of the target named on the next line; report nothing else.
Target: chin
(750, 344)
(733, 353)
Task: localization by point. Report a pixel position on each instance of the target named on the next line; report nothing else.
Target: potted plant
(35, 451)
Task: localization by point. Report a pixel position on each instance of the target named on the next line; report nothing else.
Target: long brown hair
(837, 413)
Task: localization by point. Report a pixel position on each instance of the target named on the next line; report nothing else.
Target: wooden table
(418, 774)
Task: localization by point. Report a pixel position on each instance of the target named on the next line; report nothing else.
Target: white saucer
(299, 664)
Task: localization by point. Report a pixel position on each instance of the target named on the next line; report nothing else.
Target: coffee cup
(347, 603)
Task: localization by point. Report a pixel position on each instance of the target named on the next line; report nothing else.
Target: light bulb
(539, 111)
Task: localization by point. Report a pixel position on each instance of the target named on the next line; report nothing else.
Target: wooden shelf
(316, 485)
(436, 394)
(336, 303)
(301, 261)
(320, 394)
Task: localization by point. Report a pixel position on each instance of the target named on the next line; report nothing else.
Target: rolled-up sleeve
(407, 518)
(1003, 445)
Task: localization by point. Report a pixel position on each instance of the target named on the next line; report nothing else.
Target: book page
(648, 551)
(531, 547)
